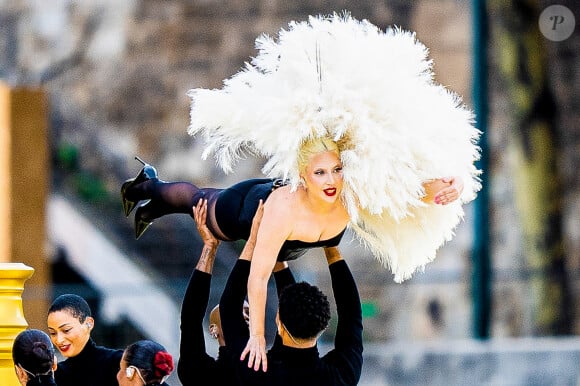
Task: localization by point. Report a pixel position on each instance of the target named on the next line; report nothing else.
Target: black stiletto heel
(147, 172)
(141, 224)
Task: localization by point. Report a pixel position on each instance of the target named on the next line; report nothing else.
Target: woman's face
(67, 333)
(323, 176)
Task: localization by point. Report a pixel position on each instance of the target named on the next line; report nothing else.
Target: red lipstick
(330, 192)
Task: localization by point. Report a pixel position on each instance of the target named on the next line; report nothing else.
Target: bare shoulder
(278, 220)
(282, 201)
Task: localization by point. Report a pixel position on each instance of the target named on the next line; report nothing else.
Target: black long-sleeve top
(294, 366)
(195, 365)
(93, 366)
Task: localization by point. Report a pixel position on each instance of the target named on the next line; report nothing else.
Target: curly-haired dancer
(303, 315)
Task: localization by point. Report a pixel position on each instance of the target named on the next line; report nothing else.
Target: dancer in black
(69, 325)
(145, 362)
(34, 358)
(195, 365)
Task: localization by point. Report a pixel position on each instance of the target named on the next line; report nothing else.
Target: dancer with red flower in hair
(145, 362)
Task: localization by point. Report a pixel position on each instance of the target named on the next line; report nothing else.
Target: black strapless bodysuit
(235, 209)
(293, 249)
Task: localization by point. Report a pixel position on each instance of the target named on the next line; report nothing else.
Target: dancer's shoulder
(283, 203)
(284, 195)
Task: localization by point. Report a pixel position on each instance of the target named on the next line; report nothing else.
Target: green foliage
(67, 157)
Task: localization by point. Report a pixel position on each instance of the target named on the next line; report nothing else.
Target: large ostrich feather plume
(374, 93)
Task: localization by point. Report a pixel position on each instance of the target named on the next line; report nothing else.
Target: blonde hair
(314, 146)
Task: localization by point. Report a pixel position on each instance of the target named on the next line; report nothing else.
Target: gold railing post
(12, 321)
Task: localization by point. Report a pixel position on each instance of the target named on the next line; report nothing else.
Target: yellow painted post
(12, 321)
(24, 187)
(6, 172)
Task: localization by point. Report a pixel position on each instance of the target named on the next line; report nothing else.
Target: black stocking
(174, 197)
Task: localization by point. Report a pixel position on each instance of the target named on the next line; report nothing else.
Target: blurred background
(85, 86)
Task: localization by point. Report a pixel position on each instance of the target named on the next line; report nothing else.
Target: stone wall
(506, 362)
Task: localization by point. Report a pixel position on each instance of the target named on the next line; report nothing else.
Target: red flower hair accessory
(163, 364)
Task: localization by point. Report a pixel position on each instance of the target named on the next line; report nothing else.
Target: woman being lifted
(350, 119)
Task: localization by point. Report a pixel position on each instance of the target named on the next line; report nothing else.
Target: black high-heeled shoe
(141, 224)
(147, 172)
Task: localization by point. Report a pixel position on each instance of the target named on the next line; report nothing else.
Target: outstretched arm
(231, 303)
(274, 230)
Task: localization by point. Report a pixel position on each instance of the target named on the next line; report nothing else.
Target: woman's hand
(210, 242)
(451, 192)
(199, 215)
(256, 348)
(443, 191)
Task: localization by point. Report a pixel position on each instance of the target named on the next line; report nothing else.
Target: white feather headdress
(373, 90)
